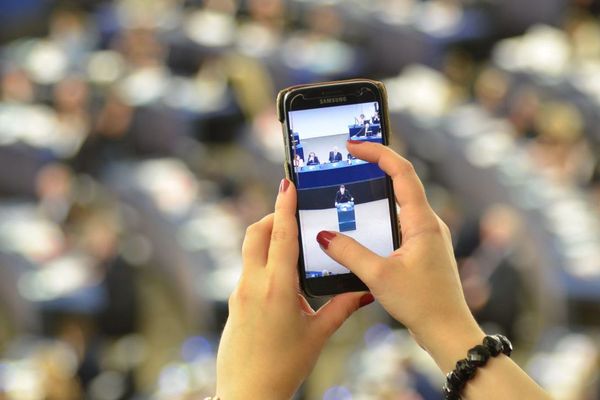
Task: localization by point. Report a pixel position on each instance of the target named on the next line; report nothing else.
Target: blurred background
(138, 139)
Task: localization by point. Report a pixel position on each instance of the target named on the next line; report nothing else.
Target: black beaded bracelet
(477, 357)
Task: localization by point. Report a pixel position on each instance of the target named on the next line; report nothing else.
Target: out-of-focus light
(174, 380)
(489, 149)
(22, 381)
(171, 185)
(144, 85)
(136, 249)
(324, 56)
(429, 92)
(129, 352)
(195, 348)
(109, 385)
(32, 124)
(105, 67)
(30, 236)
(46, 62)
(57, 279)
(337, 393)
(376, 334)
(210, 28)
(543, 49)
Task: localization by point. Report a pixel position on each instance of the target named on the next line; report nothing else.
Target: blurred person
(16, 86)
(523, 111)
(54, 189)
(343, 196)
(109, 139)
(140, 47)
(561, 149)
(270, 322)
(70, 97)
(363, 122)
(491, 87)
(335, 155)
(492, 282)
(298, 161)
(312, 159)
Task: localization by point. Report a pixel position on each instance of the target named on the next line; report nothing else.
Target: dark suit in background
(313, 161)
(335, 156)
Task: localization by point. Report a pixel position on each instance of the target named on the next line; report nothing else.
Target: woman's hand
(418, 284)
(273, 338)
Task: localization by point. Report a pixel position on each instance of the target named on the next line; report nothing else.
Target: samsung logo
(330, 100)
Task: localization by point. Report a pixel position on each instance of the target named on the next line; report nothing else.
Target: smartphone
(336, 191)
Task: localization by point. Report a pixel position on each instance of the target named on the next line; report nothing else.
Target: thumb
(337, 310)
(357, 258)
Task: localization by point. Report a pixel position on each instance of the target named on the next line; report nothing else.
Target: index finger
(415, 214)
(283, 250)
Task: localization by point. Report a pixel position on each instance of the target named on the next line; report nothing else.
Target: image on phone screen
(336, 191)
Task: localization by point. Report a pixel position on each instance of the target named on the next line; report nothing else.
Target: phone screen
(336, 191)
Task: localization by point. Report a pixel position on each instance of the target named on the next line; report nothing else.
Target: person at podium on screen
(335, 155)
(312, 159)
(343, 196)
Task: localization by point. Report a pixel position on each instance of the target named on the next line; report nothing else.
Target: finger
(351, 254)
(283, 251)
(256, 243)
(416, 214)
(337, 310)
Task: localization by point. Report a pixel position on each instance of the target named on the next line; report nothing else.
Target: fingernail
(365, 300)
(351, 141)
(324, 237)
(284, 185)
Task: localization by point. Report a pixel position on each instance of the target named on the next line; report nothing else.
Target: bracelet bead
(478, 355)
(507, 347)
(493, 344)
(465, 370)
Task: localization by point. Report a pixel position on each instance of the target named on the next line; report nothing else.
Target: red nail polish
(324, 237)
(365, 300)
(355, 141)
(284, 185)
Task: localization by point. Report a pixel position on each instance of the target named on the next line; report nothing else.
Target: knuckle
(279, 235)
(251, 229)
(405, 167)
(345, 248)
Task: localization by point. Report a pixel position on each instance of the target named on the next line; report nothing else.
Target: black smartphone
(336, 191)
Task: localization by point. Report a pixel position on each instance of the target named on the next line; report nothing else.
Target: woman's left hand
(273, 337)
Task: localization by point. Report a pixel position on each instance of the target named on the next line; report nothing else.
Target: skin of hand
(273, 337)
(419, 286)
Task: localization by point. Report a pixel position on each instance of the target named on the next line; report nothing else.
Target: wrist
(450, 342)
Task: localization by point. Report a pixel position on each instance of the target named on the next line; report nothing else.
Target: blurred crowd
(138, 139)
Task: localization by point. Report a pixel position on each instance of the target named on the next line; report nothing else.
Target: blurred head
(70, 94)
(342, 189)
(335, 149)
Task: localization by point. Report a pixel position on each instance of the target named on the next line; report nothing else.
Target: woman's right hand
(418, 284)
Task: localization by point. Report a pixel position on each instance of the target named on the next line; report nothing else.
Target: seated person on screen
(335, 155)
(298, 162)
(343, 196)
(375, 118)
(361, 120)
(312, 159)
